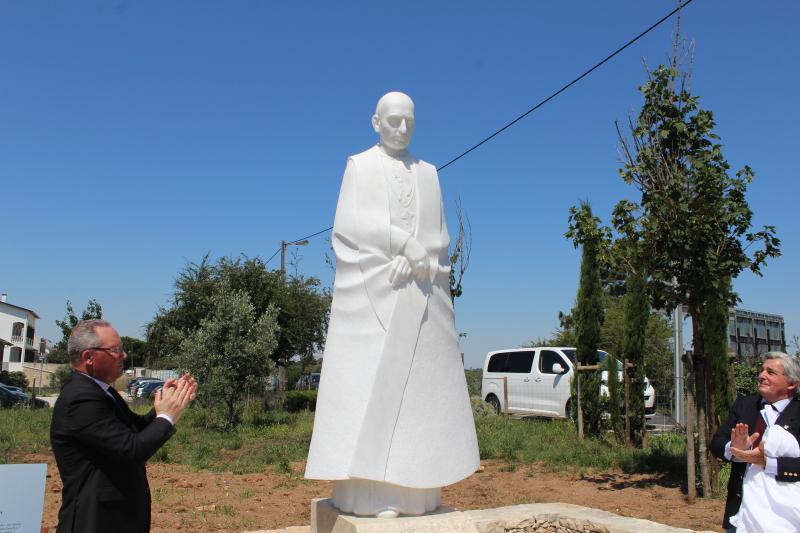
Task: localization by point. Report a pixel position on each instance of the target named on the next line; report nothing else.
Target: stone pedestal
(325, 518)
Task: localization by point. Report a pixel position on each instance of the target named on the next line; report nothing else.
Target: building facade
(18, 338)
(752, 334)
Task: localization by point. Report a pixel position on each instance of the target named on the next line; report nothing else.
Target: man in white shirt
(739, 439)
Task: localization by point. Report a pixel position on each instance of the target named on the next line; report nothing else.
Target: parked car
(12, 395)
(8, 398)
(148, 387)
(538, 381)
(134, 384)
(308, 381)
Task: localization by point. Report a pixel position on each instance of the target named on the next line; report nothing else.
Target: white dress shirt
(770, 413)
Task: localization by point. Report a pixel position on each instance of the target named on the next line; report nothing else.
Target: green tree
(637, 316)
(694, 218)
(229, 352)
(301, 305)
(93, 310)
(586, 232)
(136, 350)
(714, 329)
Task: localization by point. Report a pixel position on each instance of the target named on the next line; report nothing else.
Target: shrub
(481, 408)
(60, 375)
(15, 379)
(746, 377)
(299, 400)
(474, 377)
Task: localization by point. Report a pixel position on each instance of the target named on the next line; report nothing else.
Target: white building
(18, 340)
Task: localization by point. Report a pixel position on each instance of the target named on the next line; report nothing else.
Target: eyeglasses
(116, 352)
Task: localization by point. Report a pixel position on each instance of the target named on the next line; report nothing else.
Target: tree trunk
(701, 397)
(691, 482)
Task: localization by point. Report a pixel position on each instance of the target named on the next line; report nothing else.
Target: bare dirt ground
(185, 500)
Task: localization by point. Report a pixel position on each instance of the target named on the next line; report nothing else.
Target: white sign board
(22, 498)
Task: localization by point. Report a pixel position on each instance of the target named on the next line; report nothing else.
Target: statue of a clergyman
(393, 422)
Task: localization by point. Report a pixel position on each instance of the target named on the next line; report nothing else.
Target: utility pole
(677, 326)
(284, 244)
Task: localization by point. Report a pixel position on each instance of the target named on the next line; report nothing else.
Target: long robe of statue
(393, 404)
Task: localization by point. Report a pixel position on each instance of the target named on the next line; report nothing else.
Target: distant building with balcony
(752, 334)
(18, 340)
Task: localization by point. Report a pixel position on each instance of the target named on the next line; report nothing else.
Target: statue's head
(394, 120)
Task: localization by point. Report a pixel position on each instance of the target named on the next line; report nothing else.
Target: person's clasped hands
(742, 446)
(175, 396)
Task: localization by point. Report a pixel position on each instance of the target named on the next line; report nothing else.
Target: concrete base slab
(528, 518)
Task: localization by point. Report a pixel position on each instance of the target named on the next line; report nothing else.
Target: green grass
(555, 445)
(275, 439)
(24, 431)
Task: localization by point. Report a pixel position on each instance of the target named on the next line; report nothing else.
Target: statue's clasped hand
(413, 260)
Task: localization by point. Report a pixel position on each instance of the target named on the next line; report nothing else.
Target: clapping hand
(175, 396)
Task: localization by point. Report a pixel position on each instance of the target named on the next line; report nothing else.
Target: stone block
(325, 518)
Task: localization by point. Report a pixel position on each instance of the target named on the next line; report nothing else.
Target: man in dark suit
(100, 445)
(739, 439)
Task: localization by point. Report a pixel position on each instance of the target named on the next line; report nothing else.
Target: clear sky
(137, 136)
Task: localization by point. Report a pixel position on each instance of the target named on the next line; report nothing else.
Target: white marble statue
(393, 422)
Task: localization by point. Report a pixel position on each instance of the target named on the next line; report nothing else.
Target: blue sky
(137, 136)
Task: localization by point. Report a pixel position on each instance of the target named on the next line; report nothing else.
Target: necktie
(118, 399)
(761, 425)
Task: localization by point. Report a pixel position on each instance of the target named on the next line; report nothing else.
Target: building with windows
(752, 334)
(18, 340)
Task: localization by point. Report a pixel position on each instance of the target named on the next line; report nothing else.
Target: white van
(538, 381)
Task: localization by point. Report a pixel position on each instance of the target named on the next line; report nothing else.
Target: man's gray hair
(83, 337)
(791, 367)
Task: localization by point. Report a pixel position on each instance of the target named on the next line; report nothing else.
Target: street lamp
(284, 244)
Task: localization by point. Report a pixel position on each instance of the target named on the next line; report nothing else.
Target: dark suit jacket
(101, 447)
(745, 410)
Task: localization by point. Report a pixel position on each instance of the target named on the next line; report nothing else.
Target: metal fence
(667, 416)
(550, 395)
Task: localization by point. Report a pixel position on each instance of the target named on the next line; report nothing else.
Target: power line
(567, 86)
(537, 106)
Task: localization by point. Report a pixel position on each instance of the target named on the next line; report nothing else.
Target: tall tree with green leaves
(135, 350)
(715, 343)
(694, 218)
(585, 231)
(301, 304)
(637, 316)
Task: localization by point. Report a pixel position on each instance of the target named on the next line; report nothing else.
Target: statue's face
(394, 120)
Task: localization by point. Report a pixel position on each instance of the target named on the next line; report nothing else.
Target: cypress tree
(588, 314)
(637, 314)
